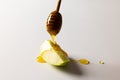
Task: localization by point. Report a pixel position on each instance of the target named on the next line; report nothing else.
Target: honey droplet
(101, 62)
(84, 61)
(40, 59)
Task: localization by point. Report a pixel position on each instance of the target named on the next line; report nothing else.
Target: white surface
(91, 29)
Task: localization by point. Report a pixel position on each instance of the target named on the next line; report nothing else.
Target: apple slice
(53, 54)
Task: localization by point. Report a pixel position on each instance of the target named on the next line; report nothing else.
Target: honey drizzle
(53, 38)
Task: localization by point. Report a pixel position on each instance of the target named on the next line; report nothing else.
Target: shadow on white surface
(72, 68)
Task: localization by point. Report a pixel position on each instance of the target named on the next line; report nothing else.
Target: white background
(91, 29)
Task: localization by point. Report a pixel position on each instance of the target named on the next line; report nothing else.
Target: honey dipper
(54, 22)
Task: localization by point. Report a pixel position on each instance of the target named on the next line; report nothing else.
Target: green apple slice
(53, 54)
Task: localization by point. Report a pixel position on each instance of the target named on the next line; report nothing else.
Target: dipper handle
(58, 6)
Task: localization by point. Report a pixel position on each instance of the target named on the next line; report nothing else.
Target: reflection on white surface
(90, 30)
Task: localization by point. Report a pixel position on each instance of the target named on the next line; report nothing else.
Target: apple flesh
(53, 54)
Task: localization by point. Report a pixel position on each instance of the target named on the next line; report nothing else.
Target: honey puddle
(40, 60)
(81, 61)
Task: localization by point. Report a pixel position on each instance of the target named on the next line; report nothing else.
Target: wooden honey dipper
(54, 22)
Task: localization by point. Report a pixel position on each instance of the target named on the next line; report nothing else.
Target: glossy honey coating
(54, 23)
